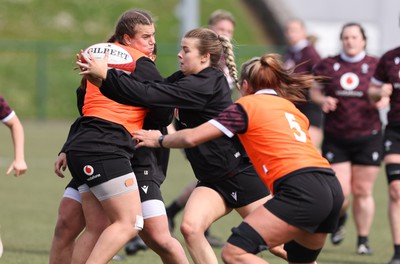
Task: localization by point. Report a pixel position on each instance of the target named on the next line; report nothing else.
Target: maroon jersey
(388, 71)
(5, 110)
(348, 81)
(304, 58)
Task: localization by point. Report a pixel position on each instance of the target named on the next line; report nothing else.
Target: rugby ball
(118, 58)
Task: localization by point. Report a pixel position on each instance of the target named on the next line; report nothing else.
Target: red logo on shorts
(88, 170)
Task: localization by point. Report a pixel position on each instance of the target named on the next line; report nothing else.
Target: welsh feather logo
(88, 170)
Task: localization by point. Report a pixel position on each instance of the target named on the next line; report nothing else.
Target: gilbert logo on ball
(119, 58)
(88, 170)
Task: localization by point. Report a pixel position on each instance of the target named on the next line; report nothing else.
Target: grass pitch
(28, 205)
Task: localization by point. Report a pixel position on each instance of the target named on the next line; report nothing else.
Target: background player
(386, 82)
(352, 129)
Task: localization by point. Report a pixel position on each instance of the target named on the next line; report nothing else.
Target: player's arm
(377, 90)
(230, 122)
(327, 103)
(17, 132)
(186, 138)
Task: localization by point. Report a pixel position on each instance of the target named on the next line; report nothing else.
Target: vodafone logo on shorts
(88, 170)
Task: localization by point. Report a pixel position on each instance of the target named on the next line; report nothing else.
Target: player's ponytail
(268, 72)
(229, 57)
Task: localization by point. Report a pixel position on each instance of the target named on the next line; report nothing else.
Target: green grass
(28, 204)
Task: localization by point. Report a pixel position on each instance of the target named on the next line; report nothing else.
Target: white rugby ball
(118, 58)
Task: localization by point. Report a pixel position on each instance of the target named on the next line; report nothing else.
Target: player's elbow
(190, 141)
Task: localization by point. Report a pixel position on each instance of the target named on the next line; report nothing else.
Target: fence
(38, 80)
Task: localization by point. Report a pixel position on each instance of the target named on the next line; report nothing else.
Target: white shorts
(114, 187)
(73, 194)
(153, 208)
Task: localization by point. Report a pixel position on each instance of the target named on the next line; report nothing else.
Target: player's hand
(96, 68)
(329, 104)
(60, 165)
(19, 168)
(387, 90)
(147, 138)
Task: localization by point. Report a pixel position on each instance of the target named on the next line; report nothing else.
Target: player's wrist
(160, 141)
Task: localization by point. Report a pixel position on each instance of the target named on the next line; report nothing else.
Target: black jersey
(198, 98)
(152, 160)
(150, 163)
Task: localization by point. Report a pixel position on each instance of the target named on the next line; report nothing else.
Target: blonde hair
(215, 45)
(268, 72)
(219, 15)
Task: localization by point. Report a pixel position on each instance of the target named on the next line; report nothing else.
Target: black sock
(397, 251)
(362, 240)
(342, 219)
(173, 209)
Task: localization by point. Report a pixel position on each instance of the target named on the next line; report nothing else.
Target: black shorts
(73, 184)
(310, 201)
(150, 164)
(94, 170)
(149, 190)
(241, 189)
(361, 151)
(391, 141)
(313, 112)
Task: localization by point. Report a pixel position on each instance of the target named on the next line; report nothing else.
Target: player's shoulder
(330, 59)
(310, 49)
(391, 53)
(327, 63)
(371, 59)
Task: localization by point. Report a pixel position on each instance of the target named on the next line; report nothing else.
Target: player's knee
(161, 241)
(300, 254)
(68, 228)
(246, 238)
(191, 229)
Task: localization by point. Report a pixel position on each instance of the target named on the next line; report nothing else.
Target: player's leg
(363, 203)
(243, 245)
(120, 200)
(156, 232)
(96, 222)
(392, 162)
(343, 173)
(204, 206)
(299, 218)
(338, 154)
(156, 235)
(70, 223)
(179, 203)
(366, 160)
